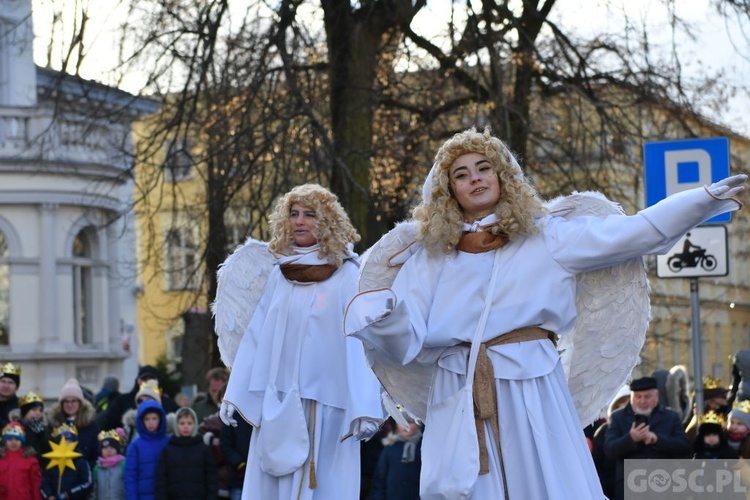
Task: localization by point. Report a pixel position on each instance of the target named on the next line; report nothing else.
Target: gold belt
(485, 391)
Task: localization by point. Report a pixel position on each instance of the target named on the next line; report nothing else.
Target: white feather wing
(407, 385)
(240, 283)
(614, 310)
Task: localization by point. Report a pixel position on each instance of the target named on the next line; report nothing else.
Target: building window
(178, 164)
(82, 291)
(181, 259)
(4, 292)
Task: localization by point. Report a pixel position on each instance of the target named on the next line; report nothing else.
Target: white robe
(333, 372)
(438, 300)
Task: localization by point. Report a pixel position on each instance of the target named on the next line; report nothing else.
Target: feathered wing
(407, 386)
(240, 283)
(614, 310)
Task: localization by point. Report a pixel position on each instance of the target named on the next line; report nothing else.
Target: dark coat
(112, 417)
(394, 479)
(235, 443)
(143, 455)
(606, 469)
(187, 470)
(5, 408)
(76, 484)
(672, 442)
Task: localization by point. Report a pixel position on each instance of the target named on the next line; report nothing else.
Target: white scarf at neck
(477, 225)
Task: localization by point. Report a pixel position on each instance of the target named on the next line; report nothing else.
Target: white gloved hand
(225, 414)
(384, 314)
(727, 188)
(364, 428)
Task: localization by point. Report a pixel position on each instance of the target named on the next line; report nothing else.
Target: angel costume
(293, 345)
(434, 304)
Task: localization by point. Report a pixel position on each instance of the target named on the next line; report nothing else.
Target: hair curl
(332, 229)
(440, 217)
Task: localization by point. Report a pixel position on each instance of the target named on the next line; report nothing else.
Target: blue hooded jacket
(143, 455)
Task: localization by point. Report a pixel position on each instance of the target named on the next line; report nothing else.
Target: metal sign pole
(697, 358)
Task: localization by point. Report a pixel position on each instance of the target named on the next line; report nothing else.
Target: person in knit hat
(738, 431)
(74, 409)
(10, 379)
(20, 474)
(109, 469)
(31, 416)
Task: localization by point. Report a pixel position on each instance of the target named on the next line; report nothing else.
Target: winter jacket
(20, 475)
(394, 479)
(5, 408)
(88, 429)
(672, 442)
(109, 482)
(76, 484)
(205, 407)
(143, 454)
(235, 443)
(187, 470)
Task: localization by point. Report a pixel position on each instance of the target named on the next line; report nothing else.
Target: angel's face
(302, 219)
(475, 185)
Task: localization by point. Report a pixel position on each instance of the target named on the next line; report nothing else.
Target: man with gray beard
(643, 429)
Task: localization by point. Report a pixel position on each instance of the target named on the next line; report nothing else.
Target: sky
(719, 46)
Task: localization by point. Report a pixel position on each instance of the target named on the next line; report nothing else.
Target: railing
(35, 134)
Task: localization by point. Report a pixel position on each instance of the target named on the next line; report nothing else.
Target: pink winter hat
(71, 389)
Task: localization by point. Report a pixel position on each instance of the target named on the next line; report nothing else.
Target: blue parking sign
(674, 166)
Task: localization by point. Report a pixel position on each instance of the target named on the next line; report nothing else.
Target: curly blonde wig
(332, 230)
(440, 217)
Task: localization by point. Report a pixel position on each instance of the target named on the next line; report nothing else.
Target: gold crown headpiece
(10, 369)
(151, 385)
(111, 434)
(30, 398)
(743, 406)
(712, 383)
(712, 417)
(64, 429)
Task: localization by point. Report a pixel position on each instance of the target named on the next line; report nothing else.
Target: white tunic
(438, 301)
(333, 373)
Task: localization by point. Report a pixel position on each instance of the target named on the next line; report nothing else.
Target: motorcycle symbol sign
(700, 253)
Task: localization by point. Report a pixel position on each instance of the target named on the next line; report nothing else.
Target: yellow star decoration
(62, 455)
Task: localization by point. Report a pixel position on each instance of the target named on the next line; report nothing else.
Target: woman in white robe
(477, 203)
(293, 348)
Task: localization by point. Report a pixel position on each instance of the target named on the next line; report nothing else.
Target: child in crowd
(738, 431)
(147, 391)
(69, 475)
(397, 473)
(110, 467)
(31, 415)
(711, 442)
(187, 468)
(143, 453)
(20, 475)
